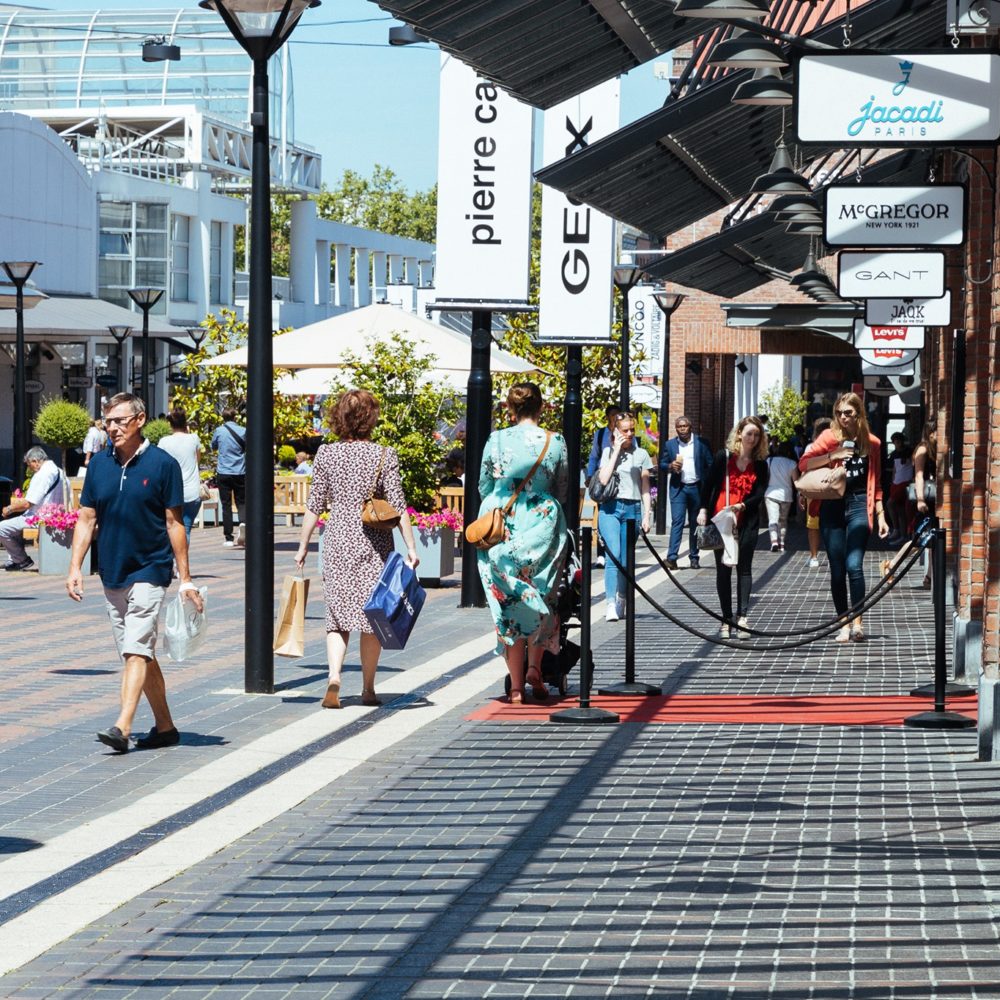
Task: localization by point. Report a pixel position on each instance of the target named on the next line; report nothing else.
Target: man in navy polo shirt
(135, 493)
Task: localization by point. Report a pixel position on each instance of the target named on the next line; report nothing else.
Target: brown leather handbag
(377, 513)
(490, 529)
(824, 483)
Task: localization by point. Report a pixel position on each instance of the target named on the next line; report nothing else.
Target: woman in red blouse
(737, 480)
(847, 523)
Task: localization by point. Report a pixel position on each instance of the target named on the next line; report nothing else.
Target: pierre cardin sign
(890, 275)
(578, 242)
(872, 215)
(919, 312)
(853, 98)
(888, 338)
(484, 189)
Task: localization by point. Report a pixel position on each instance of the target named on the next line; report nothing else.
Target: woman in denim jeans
(845, 524)
(632, 465)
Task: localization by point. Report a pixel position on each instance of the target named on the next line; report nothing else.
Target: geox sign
(893, 275)
(934, 98)
(866, 215)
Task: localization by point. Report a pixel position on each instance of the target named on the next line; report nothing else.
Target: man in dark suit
(686, 458)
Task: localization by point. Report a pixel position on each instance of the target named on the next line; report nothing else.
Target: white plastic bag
(725, 521)
(185, 627)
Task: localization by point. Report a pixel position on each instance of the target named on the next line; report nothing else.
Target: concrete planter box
(54, 549)
(435, 549)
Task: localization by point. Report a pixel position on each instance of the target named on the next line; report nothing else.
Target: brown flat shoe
(332, 697)
(369, 698)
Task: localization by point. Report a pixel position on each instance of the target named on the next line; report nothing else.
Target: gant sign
(893, 275)
(912, 98)
(866, 215)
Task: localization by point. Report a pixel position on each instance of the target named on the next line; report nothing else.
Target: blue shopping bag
(395, 603)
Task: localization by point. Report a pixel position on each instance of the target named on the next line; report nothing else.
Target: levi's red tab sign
(889, 356)
(892, 274)
(888, 337)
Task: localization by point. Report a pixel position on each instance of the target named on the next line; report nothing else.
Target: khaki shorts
(134, 612)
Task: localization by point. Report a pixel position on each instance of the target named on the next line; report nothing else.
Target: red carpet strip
(779, 710)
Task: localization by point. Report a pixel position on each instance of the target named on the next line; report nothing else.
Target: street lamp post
(121, 334)
(626, 276)
(18, 272)
(145, 299)
(261, 28)
(668, 303)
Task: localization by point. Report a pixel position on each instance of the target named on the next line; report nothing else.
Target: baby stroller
(556, 666)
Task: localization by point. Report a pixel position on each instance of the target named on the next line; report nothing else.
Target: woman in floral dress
(521, 573)
(344, 475)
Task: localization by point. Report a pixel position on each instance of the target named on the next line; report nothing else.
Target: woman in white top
(186, 448)
(778, 497)
(632, 465)
(95, 441)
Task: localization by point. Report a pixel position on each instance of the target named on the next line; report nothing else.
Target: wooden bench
(451, 498)
(290, 495)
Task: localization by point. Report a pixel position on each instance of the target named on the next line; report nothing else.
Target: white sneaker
(228, 543)
(611, 614)
(724, 631)
(813, 563)
(600, 562)
(240, 539)
(741, 627)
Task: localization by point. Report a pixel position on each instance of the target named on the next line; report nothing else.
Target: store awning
(833, 318)
(745, 255)
(702, 153)
(66, 317)
(544, 53)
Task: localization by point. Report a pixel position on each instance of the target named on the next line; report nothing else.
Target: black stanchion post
(939, 718)
(630, 686)
(583, 713)
(573, 431)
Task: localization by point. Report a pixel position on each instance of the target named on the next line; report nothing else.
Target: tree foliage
(785, 409)
(412, 408)
(62, 424)
(217, 387)
(156, 430)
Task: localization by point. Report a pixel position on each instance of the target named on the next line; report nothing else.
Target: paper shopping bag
(395, 603)
(290, 627)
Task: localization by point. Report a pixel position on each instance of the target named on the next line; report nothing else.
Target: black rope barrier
(741, 645)
(868, 602)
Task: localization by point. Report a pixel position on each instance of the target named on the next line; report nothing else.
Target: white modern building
(120, 173)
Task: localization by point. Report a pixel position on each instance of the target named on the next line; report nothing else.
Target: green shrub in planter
(155, 430)
(62, 424)
(286, 456)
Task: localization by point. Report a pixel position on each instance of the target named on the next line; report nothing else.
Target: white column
(323, 277)
(378, 275)
(302, 252)
(226, 266)
(425, 274)
(345, 296)
(362, 277)
(200, 249)
(411, 274)
(395, 269)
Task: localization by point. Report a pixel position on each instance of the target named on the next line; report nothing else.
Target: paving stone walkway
(479, 859)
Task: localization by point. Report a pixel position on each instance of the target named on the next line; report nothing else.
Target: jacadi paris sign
(856, 98)
(875, 215)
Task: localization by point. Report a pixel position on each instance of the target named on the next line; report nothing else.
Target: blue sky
(360, 102)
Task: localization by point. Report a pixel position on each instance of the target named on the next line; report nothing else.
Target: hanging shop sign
(929, 98)
(647, 327)
(870, 369)
(919, 312)
(32, 385)
(891, 275)
(484, 189)
(888, 337)
(576, 290)
(78, 382)
(878, 385)
(106, 381)
(872, 215)
(889, 357)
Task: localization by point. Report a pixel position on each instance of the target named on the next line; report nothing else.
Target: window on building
(133, 250)
(215, 265)
(180, 254)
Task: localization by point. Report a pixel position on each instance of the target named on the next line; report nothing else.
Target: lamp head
(158, 49)
(260, 26)
(120, 333)
(145, 298)
(18, 271)
(404, 34)
(766, 89)
(668, 301)
(626, 276)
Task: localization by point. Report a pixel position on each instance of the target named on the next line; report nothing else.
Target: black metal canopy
(545, 51)
(701, 153)
(745, 255)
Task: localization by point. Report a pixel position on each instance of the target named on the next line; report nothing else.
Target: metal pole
(573, 431)
(584, 713)
(939, 718)
(146, 397)
(259, 566)
(478, 405)
(21, 439)
(626, 375)
(664, 421)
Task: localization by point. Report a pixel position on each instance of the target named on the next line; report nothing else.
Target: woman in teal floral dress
(521, 573)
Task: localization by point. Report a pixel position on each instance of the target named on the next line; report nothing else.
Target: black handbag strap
(241, 441)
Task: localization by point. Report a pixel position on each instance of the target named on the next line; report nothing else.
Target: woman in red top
(744, 463)
(845, 524)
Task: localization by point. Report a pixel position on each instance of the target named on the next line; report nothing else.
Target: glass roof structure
(62, 60)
